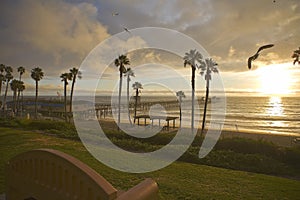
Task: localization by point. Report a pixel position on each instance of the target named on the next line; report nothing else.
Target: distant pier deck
(104, 110)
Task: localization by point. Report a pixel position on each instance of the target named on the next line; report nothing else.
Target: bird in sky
(114, 13)
(126, 29)
(255, 56)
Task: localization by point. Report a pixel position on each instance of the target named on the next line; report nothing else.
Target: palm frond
(137, 85)
(180, 94)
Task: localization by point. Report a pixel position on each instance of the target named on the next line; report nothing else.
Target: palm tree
(207, 67)
(75, 74)
(128, 73)
(21, 88)
(8, 76)
(136, 86)
(296, 55)
(180, 95)
(2, 78)
(120, 62)
(37, 74)
(14, 84)
(65, 77)
(191, 58)
(21, 71)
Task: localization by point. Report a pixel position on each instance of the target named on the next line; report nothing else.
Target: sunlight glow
(275, 79)
(275, 107)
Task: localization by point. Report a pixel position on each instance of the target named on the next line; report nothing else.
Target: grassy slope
(177, 181)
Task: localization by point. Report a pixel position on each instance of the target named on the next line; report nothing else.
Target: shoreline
(277, 139)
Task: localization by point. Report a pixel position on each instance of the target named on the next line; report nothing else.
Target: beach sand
(278, 139)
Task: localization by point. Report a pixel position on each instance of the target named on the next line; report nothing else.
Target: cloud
(44, 89)
(57, 35)
(100, 61)
(231, 51)
(243, 25)
(220, 25)
(52, 34)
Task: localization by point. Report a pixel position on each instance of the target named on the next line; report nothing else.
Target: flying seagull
(250, 59)
(114, 13)
(126, 29)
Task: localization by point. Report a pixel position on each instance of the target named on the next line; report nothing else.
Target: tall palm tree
(180, 95)
(207, 67)
(120, 62)
(37, 74)
(21, 71)
(65, 77)
(128, 74)
(75, 74)
(8, 76)
(14, 84)
(191, 58)
(136, 86)
(2, 78)
(21, 88)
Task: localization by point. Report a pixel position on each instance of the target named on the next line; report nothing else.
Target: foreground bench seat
(47, 174)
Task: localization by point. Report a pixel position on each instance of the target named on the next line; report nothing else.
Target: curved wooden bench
(53, 175)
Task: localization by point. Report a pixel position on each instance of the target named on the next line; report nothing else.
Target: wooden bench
(159, 118)
(47, 174)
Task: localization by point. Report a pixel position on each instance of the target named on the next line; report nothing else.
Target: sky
(57, 35)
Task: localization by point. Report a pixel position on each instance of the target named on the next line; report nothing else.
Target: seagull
(126, 29)
(114, 13)
(255, 56)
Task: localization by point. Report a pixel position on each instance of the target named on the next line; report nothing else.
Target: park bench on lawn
(47, 174)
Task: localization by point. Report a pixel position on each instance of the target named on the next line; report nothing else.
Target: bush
(233, 153)
(249, 146)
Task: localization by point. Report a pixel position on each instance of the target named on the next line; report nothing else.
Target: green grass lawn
(178, 181)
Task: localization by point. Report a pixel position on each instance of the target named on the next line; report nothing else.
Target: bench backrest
(33, 174)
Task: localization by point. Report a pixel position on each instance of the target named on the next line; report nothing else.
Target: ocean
(273, 115)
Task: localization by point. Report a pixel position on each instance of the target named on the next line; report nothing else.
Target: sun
(275, 79)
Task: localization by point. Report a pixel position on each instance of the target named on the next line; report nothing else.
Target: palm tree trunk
(180, 115)
(4, 98)
(18, 98)
(22, 100)
(0, 94)
(65, 100)
(0, 87)
(205, 105)
(119, 103)
(36, 98)
(18, 102)
(135, 105)
(128, 100)
(71, 95)
(193, 97)
(15, 101)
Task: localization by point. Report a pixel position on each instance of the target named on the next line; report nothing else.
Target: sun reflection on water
(275, 108)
